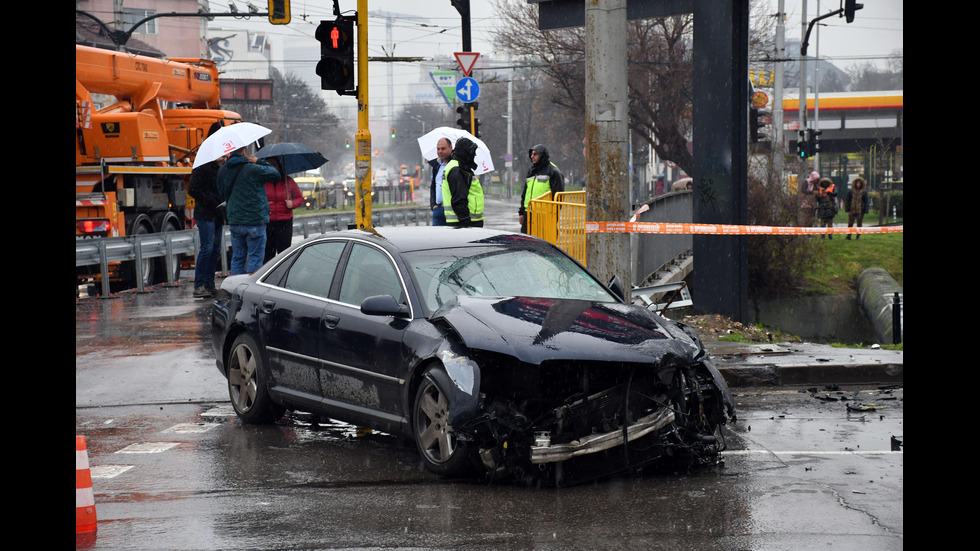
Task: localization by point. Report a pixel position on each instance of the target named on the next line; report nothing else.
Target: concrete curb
(780, 364)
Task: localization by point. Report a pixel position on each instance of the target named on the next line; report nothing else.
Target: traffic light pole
(362, 216)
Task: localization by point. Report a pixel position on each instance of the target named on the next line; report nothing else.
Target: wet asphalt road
(173, 468)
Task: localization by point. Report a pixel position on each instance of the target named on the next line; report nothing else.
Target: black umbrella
(294, 157)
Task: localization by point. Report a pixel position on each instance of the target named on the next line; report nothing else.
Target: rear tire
(248, 383)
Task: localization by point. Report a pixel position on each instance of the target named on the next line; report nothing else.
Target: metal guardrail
(136, 248)
(170, 245)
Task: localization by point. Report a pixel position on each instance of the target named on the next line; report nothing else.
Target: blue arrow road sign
(468, 89)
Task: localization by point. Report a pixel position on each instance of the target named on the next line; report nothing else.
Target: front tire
(247, 384)
(442, 451)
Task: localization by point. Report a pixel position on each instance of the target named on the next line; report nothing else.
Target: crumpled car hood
(535, 330)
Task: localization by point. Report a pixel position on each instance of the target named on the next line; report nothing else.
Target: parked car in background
(495, 352)
(314, 191)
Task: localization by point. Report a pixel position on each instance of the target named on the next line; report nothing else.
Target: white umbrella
(427, 143)
(227, 139)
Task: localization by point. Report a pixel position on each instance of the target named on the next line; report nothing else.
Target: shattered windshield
(442, 274)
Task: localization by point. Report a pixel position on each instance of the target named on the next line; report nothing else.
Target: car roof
(413, 238)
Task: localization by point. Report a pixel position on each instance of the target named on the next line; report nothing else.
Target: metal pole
(510, 136)
(816, 93)
(897, 319)
(362, 196)
(802, 93)
(607, 152)
(777, 105)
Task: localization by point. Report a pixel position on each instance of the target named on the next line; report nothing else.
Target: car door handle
(331, 321)
(267, 306)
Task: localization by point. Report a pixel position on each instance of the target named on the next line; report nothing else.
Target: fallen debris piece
(862, 407)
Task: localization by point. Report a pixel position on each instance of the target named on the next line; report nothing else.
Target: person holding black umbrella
(284, 195)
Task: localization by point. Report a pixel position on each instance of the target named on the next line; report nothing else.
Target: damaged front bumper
(595, 425)
(543, 451)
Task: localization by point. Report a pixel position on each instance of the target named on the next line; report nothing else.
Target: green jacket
(460, 211)
(242, 185)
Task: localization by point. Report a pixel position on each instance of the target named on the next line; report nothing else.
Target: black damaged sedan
(495, 352)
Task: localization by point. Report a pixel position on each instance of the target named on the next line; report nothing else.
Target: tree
(298, 114)
(660, 68)
(413, 121)
(870, 77)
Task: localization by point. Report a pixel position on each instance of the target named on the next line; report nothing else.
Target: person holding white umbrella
(462, 194)
(444, 152)
(241, 181)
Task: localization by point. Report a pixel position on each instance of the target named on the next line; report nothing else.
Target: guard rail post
(168, 259)
(138, 265)
(225, 245)
(104, 267)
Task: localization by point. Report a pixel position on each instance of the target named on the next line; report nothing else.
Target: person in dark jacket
(241, 181)
(856, 204)
(826, 204)
(444, 152)
(542, 177)
(209, 219)
(462, 193)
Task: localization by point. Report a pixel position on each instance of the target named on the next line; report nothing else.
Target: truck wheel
(169, 224)
(133, 273)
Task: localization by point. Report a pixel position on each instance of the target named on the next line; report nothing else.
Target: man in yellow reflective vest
(462, 194)
(543, 177)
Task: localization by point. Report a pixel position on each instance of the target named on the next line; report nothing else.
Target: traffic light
(464, 118)
(476, 127)
(801, 145)
(850, 6)
(279, 12)
(755, 124)
(336, 65)
(393, 132)
(347, 143)
(814, 142)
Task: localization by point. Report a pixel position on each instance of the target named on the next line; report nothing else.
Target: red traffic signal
(336, 65)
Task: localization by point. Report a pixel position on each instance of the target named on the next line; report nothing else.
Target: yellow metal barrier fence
(560, 221)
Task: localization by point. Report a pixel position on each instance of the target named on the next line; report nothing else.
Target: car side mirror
(616, 286)
(383, 305)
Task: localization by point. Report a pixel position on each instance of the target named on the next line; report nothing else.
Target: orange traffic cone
(85, 521)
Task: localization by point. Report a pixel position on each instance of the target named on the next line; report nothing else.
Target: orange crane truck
(139, 122)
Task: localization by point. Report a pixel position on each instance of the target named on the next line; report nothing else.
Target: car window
(369, 272)
(314, 269)
(443, 274)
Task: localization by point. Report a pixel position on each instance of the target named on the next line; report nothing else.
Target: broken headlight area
(565, 423)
